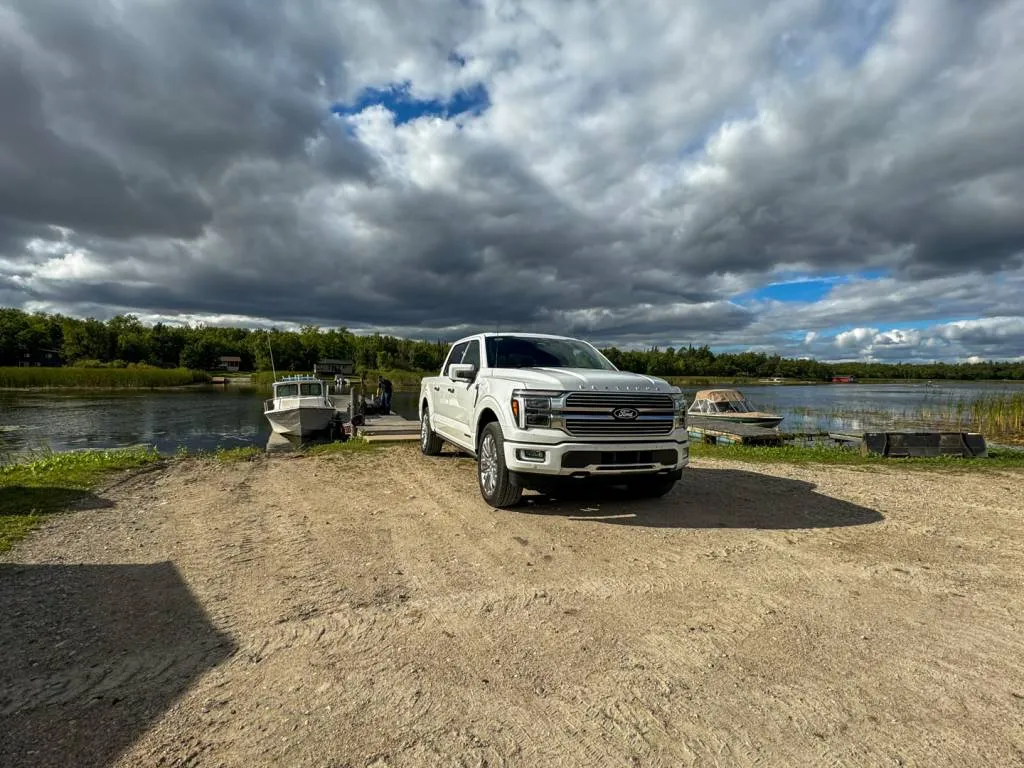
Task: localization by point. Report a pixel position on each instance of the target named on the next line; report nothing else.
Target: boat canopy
(720, 401)
(719, 395)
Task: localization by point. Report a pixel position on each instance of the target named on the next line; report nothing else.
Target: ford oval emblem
(625, 414)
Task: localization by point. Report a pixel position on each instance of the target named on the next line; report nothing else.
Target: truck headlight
(532, 409)
(679, 406)
(537, 411)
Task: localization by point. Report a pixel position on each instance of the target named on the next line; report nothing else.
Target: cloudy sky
(833, 178)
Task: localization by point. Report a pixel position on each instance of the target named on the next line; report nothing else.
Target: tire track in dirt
(642, 723)
(517, 707)
(108, 677)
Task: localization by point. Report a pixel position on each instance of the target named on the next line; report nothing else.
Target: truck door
(445, 404)
(465, 394)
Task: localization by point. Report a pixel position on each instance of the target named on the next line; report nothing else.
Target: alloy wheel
(488, 465)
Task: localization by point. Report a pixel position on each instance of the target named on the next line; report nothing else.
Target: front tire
(496, 483)
(430, 443)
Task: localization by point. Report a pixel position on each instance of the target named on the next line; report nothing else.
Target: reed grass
(404, 380)
(708, 381)
(131, 377)
(998, 415)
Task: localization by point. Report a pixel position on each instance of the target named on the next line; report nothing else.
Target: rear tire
(650, 487)
(430, 443)
(496, 483)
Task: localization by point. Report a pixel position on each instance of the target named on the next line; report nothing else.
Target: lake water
(209, 418)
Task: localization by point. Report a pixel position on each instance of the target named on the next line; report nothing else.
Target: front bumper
(599, 458)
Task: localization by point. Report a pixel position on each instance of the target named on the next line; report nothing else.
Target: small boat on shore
(730, 405)
(300, 406)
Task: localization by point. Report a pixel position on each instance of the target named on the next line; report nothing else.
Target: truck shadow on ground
(708, 498)
(92, 656)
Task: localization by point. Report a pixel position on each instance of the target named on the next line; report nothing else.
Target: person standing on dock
(384, 395)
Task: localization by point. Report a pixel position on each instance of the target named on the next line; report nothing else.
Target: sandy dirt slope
(370, 610)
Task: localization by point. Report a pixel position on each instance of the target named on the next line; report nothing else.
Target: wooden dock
(717, 432)
(373, 427)
(389, 427)
(893, 443)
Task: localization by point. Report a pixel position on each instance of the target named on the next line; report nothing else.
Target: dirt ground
(370, 610)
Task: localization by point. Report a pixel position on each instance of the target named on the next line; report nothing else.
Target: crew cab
(535, 409)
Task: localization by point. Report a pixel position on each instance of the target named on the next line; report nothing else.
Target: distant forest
(124, 340)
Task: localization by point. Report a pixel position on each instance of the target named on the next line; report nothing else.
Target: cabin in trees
(330, 366)
(40, 357)
(230, 363)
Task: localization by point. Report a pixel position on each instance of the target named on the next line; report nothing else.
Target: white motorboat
(300, 406)
(729, 405)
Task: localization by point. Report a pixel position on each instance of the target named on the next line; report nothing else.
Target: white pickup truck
(536, 409)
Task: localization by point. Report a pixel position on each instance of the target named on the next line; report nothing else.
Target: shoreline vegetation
(52, 339)
(129, 377)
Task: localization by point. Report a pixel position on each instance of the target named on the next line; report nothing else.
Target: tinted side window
(472, 354)
(455, 356)
(288, 390)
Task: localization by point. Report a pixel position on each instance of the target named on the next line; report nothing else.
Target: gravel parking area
(367, 609)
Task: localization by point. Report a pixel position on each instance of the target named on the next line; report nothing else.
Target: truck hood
(582, 379)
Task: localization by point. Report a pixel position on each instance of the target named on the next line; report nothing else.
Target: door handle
(436, 389)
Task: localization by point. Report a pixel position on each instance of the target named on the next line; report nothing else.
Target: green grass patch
(31, 490)
(130, 377)
(241, 453)
(352, 445)
(997, 459)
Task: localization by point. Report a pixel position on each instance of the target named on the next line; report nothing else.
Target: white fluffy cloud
(627, 175)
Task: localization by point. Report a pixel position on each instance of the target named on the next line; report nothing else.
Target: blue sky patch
(397, 99)
(861, 26)
(803, 288)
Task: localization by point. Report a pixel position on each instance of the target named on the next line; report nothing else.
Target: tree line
(124, 340)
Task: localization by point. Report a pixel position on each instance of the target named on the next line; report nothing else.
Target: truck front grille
(590, 414)
(612, 400)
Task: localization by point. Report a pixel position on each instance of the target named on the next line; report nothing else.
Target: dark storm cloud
(625, 180)
(118, 120)
(46, 179)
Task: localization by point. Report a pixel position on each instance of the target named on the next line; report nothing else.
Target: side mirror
(462, 371)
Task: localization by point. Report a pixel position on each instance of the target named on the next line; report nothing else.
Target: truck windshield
(525, 352)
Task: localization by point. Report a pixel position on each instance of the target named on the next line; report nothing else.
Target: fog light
(530, 455)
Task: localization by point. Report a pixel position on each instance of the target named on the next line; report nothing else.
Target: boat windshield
(529, 352)
(305, 389)
(732, 406)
